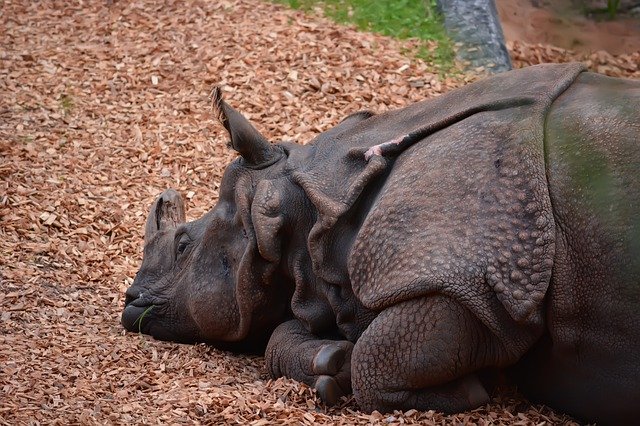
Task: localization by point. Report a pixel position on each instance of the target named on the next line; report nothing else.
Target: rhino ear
(166, 212)
(267, 219)
(245, 139)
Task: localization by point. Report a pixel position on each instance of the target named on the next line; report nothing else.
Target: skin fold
(401, 256)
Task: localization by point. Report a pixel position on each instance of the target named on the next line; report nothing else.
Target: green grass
(610, 11)
(141, 317)
(66, 103)
(612, 7)
(396, 18)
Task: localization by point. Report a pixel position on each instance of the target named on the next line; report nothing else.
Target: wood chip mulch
(103, 104)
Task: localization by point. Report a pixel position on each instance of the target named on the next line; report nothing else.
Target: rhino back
(459, 206)
(465, 213)
(591, 357)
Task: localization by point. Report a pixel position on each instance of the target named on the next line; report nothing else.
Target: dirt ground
(103, 104)
(564, 23)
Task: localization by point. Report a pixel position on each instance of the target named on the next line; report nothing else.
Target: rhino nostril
(131, 295)
(128, 299)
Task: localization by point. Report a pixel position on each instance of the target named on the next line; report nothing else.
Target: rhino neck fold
(317, 249)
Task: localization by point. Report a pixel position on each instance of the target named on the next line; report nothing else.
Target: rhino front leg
(423, 354)
(322, 364)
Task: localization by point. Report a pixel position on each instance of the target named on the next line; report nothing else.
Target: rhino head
(217, 279)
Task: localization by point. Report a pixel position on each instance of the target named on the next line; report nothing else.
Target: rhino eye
(182, 246)
(183, 243)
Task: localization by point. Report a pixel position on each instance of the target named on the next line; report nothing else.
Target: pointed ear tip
(217, 104)
(216, 96)
(170, 193)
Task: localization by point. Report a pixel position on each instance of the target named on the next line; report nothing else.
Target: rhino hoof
(328, 390)
(329, 360)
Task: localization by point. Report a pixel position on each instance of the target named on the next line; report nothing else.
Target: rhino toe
(328, 390)
(332, 367)
(329, 359)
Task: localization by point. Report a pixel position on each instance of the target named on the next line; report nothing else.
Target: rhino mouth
(137, 318)
(139, 312)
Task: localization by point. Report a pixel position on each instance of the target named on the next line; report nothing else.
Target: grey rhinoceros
(402, 256)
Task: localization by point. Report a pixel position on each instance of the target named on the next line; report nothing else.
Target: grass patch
(612, 8)
(399, 18)
(610, 11)
(66, 103)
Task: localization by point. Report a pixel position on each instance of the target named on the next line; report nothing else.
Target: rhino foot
(325, 365)
(329, 359)
(332, 365)
(328, 390)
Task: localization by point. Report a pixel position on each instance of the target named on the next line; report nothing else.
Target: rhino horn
(245, 139)
(166, 212)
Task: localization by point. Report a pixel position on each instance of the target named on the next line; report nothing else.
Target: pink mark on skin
(377, 149)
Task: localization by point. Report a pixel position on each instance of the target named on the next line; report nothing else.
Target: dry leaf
(80, 172)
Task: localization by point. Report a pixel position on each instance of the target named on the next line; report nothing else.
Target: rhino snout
(139, 310)
(136, 318)
(131, 295)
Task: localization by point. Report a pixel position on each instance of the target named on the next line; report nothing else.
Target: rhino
(408, 256)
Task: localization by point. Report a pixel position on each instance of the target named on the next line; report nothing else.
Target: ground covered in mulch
(103, 104)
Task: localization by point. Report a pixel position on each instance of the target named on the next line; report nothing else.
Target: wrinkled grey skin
(404, 256)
